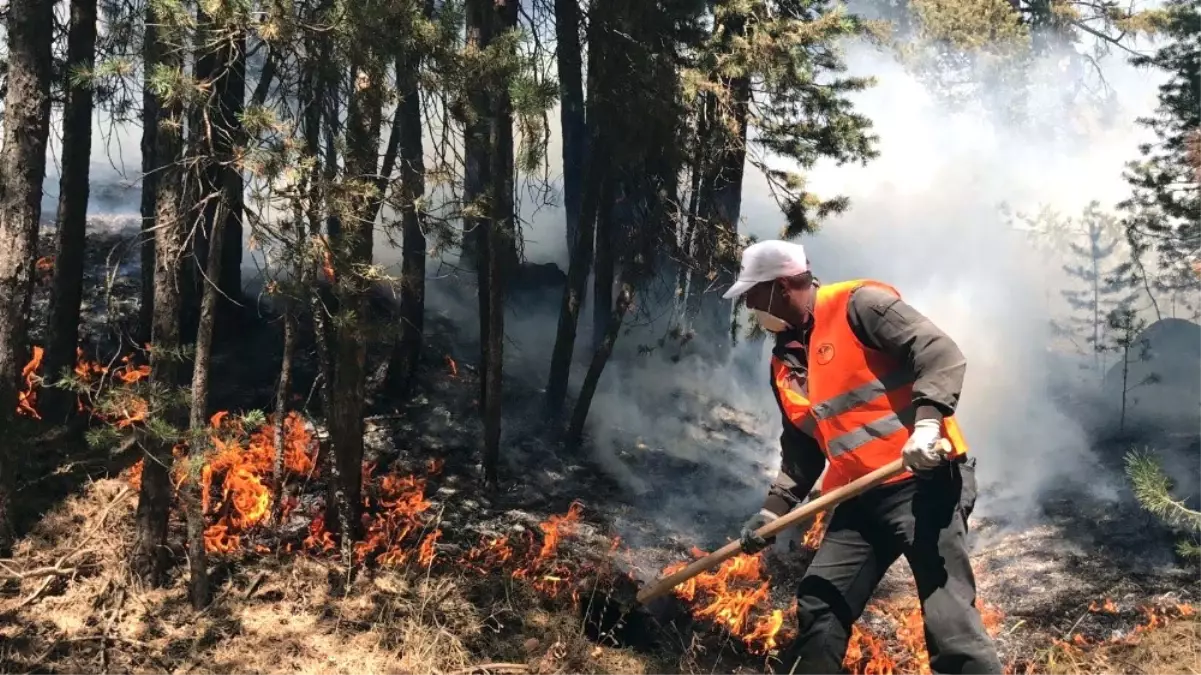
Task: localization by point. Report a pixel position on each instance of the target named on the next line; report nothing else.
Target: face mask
(770, 322)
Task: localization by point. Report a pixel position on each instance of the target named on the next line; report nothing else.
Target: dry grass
(281, 615)
(276, 615)
(1173, 648)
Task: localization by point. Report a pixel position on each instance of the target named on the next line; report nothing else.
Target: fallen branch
(59, 569)
(55, 571)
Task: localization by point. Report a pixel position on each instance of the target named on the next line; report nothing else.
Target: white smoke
(925, 217)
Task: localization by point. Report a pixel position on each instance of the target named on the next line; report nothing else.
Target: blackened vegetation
(611, 615)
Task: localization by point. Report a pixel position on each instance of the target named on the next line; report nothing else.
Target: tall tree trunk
(500, 242)
(571, 110)
(22, 169)
(217, 127)
(154, 499)
(314, 89)
(599, 359)
(67, 290)
(352, 252)
(150, 167)
(721, 192)
(412, 274)
(232, 90)
(198, 583)
(577, 284)
(477, 177)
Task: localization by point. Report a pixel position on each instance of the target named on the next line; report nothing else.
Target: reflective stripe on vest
(860, 400)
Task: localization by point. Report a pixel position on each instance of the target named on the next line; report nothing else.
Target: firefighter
(862, 378)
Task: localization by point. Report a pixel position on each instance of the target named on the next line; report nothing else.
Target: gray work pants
(923, 519)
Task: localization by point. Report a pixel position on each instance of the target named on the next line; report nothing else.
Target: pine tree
(22, 167)
(1163, 214)
(1100, 287)
(1124, 333)
(72, 209)
(1153, 489)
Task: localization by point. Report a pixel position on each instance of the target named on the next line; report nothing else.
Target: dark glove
(752, 543)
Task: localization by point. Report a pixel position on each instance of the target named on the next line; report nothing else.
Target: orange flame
(27, 399)
(813, 536)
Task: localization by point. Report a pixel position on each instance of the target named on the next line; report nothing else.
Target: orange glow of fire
(1153, 618)
(813, 536)
(27, 399)
(239, 470)
(327, 258)
(736, 597)
(454, 367)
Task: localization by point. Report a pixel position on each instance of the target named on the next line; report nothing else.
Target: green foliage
(801, 109)
(532, 97)
(1153, 489)
(1163, 214)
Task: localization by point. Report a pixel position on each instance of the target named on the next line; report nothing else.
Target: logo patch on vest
(824, 353)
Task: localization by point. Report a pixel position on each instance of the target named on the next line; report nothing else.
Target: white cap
(767, 261)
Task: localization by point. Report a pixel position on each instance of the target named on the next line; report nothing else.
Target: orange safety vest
(857, 402)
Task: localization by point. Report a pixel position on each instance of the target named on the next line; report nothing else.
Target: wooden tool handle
(822, 503)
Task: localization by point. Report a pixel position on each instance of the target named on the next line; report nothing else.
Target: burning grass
(431, 598)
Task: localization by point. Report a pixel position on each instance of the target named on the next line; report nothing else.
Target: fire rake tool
(629, 623)
(822, 503)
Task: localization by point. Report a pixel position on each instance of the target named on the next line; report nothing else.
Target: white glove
(922, 450)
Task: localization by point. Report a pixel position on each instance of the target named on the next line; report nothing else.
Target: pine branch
(1152, 488)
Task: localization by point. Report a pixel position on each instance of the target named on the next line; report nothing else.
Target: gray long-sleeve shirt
(883, 322)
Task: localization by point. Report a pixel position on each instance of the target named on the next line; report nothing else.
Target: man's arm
(801, 464)
(886, 323)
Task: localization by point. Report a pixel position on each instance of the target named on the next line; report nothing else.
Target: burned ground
(1081, 584)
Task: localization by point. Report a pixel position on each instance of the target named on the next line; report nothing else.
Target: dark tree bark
(22, 169)
(500, 242)
(597, 182)
(313, 90)
(352, 251)
(573, 292)
(266, 77)
(198, 586)
(571, 111)
(154, 499)
(233, 102)
(412, 275)
(720, 204)
(150, 170)
(217, 126)
(67, 289)
(601, 357)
